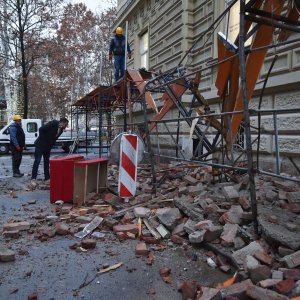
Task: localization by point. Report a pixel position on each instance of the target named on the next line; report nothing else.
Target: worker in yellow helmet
(117, 49)
(17, 144)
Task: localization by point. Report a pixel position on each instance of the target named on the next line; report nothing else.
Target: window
(32, 127)
(144, 50)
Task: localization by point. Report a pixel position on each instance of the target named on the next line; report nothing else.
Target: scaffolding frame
(235, 82)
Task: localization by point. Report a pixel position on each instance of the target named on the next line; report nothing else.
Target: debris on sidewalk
(189, 210)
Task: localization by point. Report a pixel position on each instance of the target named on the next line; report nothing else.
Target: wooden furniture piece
(89, 176)
(62, 178)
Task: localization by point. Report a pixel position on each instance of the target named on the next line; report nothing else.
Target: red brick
(190, 180)
(88, 244)
(122, 236)
(48, 232)
(61, 229)
(141, 249)
(177, 239)
(16, 226)
(14, 234)
(130, 235)
(229, 233)
(83, 219)
(133, 228)
(164, 271)
(293, 207)
(285, 286)
(33, 296)
(263, 257)
(244, 202)
(273, 219)
(292, 274)
(259, 293)
(151, 240)
(188, 289)
(203, 224)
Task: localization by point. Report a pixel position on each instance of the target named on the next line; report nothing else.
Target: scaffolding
(216, 134)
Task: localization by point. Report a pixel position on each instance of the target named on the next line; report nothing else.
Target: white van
(31, 130)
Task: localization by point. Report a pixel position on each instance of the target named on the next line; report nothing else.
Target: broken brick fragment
(285, 286)
(263, 257)
(188, 289)
(150, 240)
(133, 228)
(244, 202)
(164, 271)
(165, 274)
(14, 234)
(141, 249)
(33, 296)
(292, 274)
(130, 235)
(88, 244)
(122, 236)
(61, 229)
(258, 293)
(176, 239)
(16, 226)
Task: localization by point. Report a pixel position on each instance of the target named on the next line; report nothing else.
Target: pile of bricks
(191, 207)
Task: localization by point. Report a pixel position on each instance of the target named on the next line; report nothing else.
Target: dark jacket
(17, 136)
(117, 46)
(48, 135)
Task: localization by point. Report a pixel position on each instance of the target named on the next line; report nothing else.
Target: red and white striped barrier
(128, 165)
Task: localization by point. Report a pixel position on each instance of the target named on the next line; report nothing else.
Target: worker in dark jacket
(117, 49)
(48, 134)
(17, 144)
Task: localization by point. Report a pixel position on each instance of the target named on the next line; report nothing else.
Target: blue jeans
(38, 154)
(119, 61)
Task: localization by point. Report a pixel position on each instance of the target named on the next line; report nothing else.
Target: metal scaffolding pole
(247, 116)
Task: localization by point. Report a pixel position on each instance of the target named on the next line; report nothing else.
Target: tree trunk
(23, 63)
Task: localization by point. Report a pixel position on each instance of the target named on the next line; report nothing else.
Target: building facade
(161, 32)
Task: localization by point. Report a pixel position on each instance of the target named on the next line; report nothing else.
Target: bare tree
(28, 23)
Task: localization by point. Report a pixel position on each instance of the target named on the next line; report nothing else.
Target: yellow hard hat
(119, 30)
(17, 117)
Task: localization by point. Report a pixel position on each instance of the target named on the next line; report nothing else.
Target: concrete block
(197, 237)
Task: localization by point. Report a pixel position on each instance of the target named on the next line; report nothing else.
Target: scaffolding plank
(140, 84)
(254, 63)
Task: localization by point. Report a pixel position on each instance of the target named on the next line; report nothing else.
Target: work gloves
(129, 55)
(110, 57)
